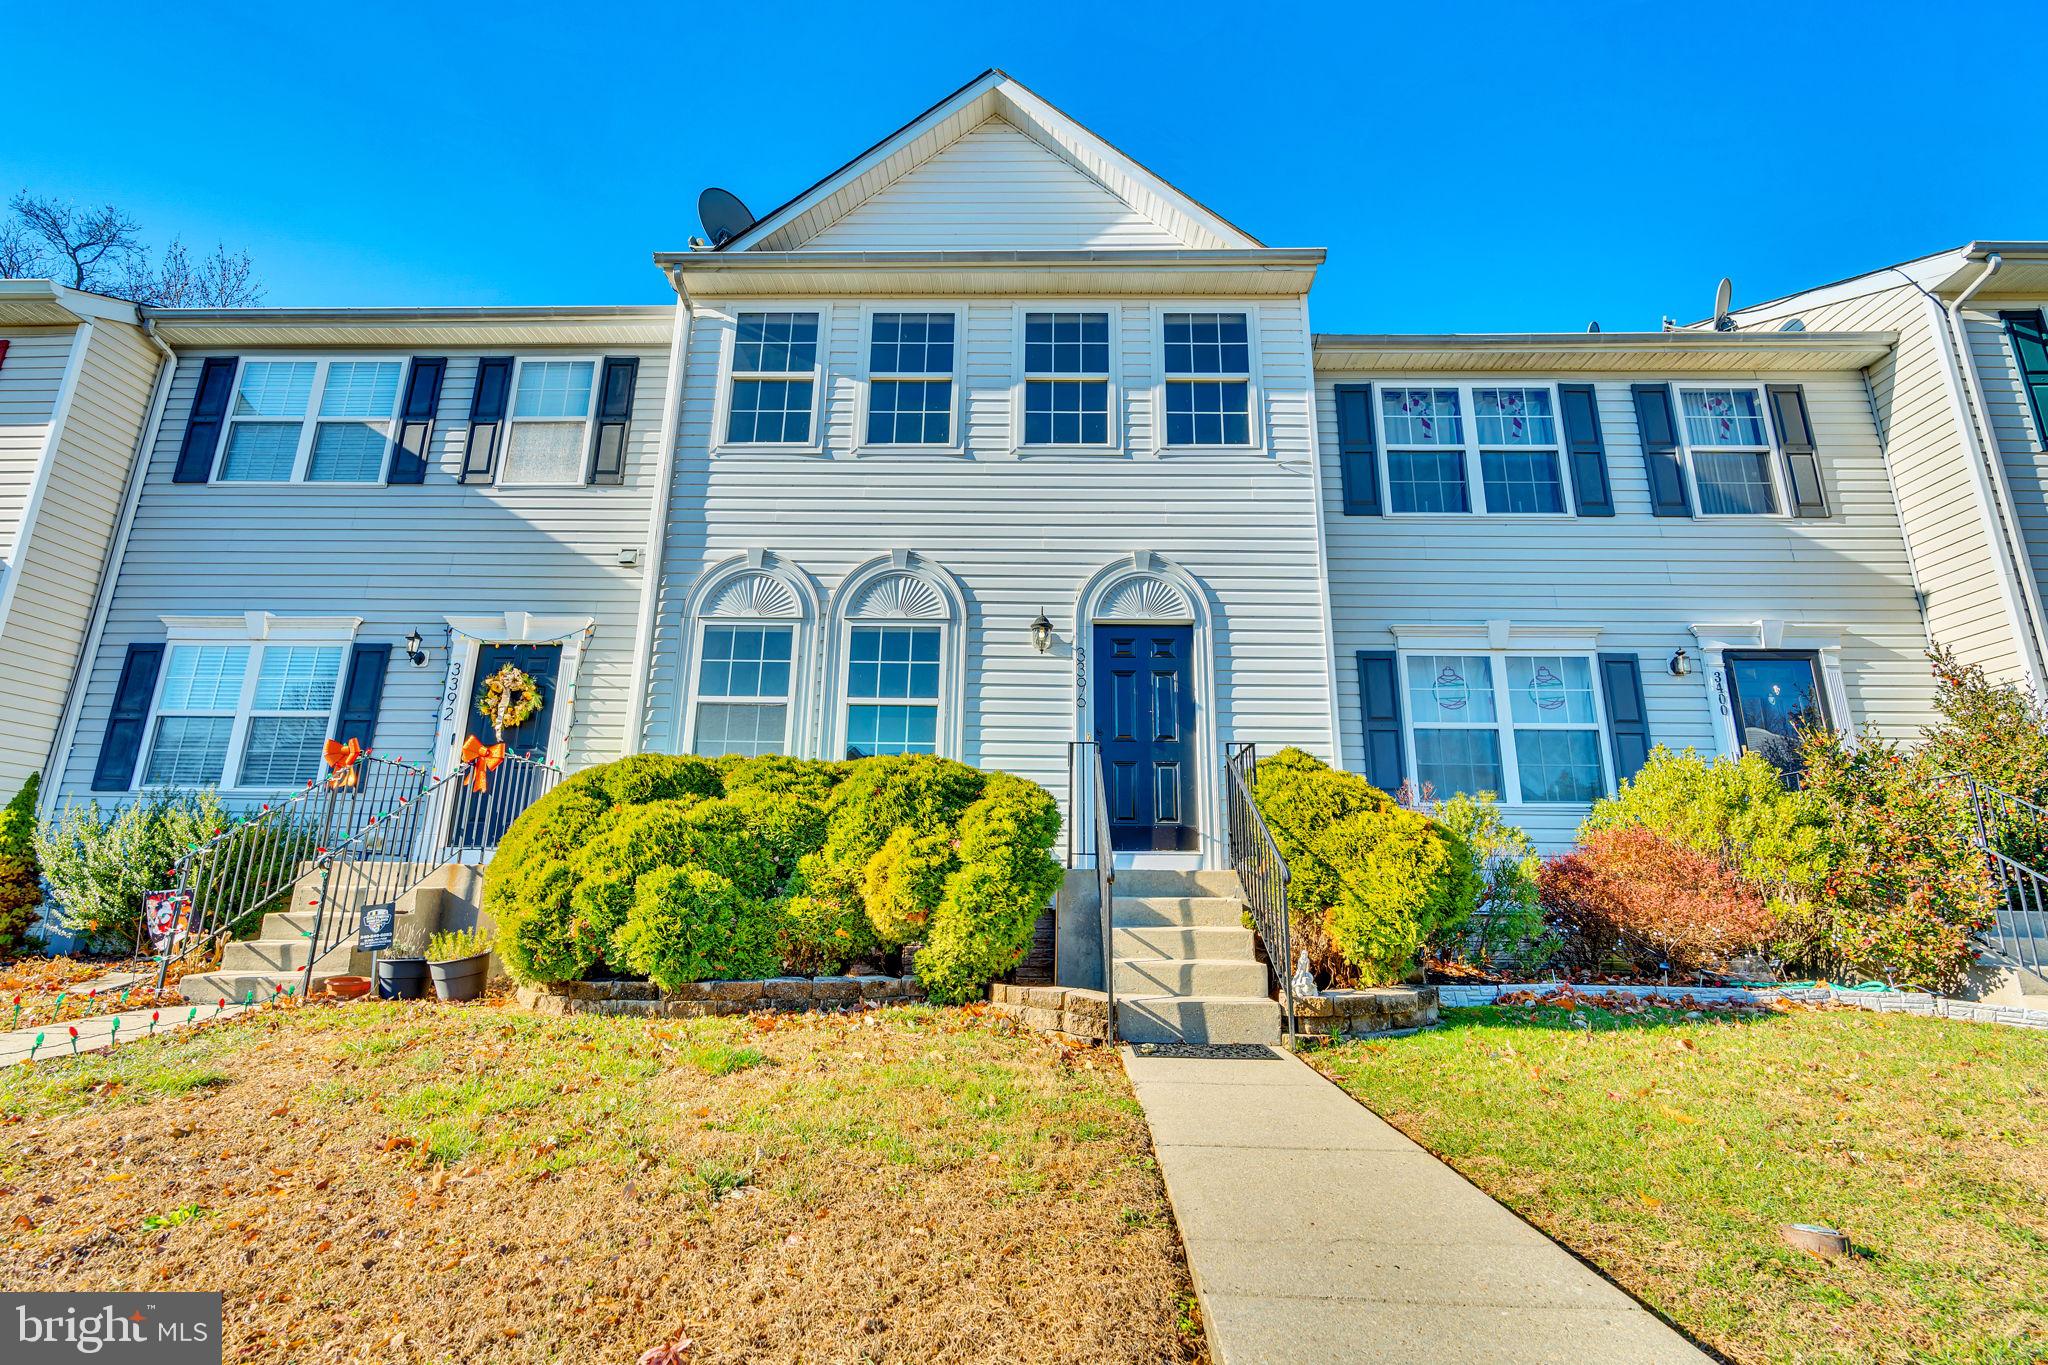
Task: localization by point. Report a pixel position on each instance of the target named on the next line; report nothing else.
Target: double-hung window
(1542, 746)
(1066, 379)
(1454, 447)
(322, 421)
(743, 690)
(910, 379)
(1728, 451)
(1208, 379)
(253, 716)
(548, 438)
(892, 690)
(774, 379)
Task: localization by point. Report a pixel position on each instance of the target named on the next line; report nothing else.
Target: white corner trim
(46, 467)
(639, 683)
(261, 625)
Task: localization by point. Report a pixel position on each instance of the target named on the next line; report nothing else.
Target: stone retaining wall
(781, 993)
(1066, 1011)
(1885, 1002)
(1385, 1009)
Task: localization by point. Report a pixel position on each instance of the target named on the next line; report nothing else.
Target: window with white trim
(261, 712)
(774, 379)
(1728, 451)
(1066, 379)
(1544, 747)
(910, 379)
(1208, 379)
(892, 690)
(1453, 447)
(311, 420)
(547, 437)
(743, 675)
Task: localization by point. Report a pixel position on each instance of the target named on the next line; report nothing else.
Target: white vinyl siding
(2022, 446)
(1642, 581)
(401, 557)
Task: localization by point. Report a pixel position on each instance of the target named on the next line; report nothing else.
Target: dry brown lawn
(430, 1183)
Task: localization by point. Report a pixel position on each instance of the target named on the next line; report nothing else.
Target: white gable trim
(992, 94)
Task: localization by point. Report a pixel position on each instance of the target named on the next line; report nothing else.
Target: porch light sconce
(1041, 632)
(1681, 664)
(416, 649)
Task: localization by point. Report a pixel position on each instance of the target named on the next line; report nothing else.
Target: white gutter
(2024, 598)
(110, 569)
(657, 526)
(60, 414)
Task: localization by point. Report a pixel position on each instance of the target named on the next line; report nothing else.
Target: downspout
(657, 526)
(1998, 494)
(110, 568)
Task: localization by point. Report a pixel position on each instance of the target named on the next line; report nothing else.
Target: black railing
(2013, 835)
(1259, 866)
(1088, 838)
(252, 863)
(396, 847)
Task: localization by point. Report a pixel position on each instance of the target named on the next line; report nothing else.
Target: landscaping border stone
(1884, 1002)
(1066, 1012)
(783, 994)
(1363, 1013)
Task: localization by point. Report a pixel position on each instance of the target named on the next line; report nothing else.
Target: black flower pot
(401, 978)
(462, 979)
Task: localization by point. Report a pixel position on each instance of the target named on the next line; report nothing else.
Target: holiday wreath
(511, 698)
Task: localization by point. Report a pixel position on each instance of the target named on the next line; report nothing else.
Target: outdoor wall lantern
(1041, 632)
(416, 649)
(1681, 664)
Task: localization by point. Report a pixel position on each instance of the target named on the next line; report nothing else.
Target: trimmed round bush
(688, 924)
(1369, 881)
(800, 866)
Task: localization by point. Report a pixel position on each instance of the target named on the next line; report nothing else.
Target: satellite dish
(1593, 326)
(1793, 325)
(723, 215)
(1722, 292)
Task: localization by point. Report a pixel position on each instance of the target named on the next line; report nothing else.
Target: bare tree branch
(21, 254)
(92, 243)
(222, 280)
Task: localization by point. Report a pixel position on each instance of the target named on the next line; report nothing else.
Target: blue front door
(1145, 723)
(479, 820)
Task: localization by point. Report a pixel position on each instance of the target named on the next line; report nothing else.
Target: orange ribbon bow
(342, 759)
(482, 759)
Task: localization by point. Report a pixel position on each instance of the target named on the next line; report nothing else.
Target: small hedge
(1370, 882)
(683, 869)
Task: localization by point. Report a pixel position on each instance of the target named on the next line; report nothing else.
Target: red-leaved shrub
(1630, 894)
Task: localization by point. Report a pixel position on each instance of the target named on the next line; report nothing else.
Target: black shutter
(1628, 720)
(362, 691)
(202, 426)
(486, 415)
(1658, 428)
(2028, 333)
(1379, 703)
(128, 718)
(1358, 458)
(416, 420)
(614, 415)
(1802, 460)
(1587, 453)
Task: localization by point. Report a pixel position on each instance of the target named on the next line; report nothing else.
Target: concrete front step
(1185, 912)
(1213, 944)
(1143, 882)
(280, 955)
(206, 988)
(1193, 1019)
(1179, 976)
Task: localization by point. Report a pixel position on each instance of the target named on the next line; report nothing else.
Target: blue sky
(1469, 167)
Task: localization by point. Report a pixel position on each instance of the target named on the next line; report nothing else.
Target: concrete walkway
(97, 1033)
(1316, 1232)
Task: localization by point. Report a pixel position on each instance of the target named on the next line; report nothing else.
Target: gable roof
(998, 95)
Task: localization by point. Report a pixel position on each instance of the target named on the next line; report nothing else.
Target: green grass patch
(1671, 1150)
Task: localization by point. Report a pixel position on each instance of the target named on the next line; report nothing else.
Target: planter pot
(348, 987)
(403, 978)
(462, 979)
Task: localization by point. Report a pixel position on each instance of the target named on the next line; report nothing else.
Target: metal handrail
(1094, 841)
(2006, 826)
(1261, 868)
(400, 845)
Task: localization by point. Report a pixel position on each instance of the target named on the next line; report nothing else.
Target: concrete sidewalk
(97, 1033)
(1316, 1232)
